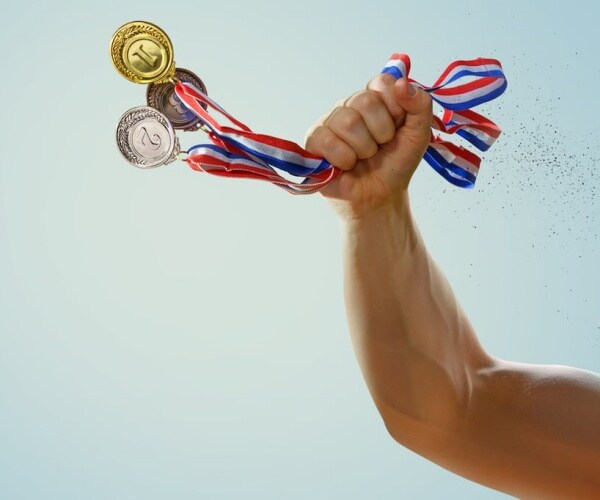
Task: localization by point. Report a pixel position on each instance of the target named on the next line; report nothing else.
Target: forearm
(523, 429)
(414, 344)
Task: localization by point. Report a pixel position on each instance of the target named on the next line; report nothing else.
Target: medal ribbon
(237, 151)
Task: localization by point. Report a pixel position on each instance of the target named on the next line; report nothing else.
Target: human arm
(528, 430)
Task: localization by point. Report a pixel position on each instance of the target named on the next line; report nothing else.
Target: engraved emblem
(142, 53)
(162, 97)
(146, 138)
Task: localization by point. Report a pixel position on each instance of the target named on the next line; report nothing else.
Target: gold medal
(142, 53)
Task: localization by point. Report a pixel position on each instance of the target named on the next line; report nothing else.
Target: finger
(375, 114)
(348, 124)
(418, 107)
(322, 141)
(383, 84)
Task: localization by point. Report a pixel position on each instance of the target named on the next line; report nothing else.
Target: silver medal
(146, 138)
(161, 96)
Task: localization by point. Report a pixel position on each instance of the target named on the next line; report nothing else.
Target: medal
(142, 53)
(146, 138)
(162, 96)
(177, 99)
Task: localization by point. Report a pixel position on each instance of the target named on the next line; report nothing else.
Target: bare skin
(531, 431)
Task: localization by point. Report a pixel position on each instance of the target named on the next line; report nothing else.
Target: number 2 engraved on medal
(177, 104)
(149, 59)
(146, 136)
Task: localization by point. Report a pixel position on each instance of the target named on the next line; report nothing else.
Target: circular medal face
(142, 53)
(146, 138)
(162, 97)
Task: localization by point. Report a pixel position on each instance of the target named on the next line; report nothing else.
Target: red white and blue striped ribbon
(237, 151)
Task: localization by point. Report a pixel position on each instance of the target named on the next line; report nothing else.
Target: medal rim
(126, 123)
(152, 98)
(122, 37)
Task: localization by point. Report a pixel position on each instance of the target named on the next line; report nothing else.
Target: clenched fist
(378, 137)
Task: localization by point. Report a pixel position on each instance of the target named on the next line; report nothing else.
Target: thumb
(418, 107)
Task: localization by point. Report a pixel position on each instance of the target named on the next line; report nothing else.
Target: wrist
(394, 209)
(358, 210)
(391, 224)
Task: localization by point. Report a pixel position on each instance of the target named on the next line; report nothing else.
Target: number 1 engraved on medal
(149, 59)
(142, 53)
(146, 136)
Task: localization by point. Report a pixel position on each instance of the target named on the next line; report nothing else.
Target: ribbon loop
(237, 151)
(486, 81)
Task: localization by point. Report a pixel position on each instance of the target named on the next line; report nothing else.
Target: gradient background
(165, 334)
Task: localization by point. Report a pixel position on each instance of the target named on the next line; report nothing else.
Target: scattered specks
(541, 165)
(543, 173)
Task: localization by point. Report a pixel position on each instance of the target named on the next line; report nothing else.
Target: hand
(377, 137)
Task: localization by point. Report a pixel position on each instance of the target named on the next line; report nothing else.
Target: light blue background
(165, 334)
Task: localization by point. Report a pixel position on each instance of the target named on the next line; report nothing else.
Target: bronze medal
(162, 97)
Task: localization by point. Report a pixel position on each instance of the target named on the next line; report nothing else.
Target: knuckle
(318, 137)
(387, 132)
(324, 142)
(368, 151)
(327, 139)
(348, 120)
(345, 160)
(372, 149)
(309, 137)
(366, 100)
